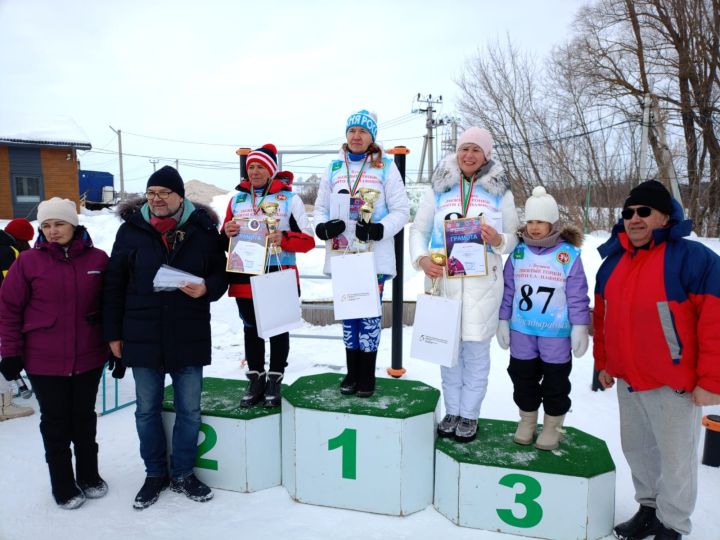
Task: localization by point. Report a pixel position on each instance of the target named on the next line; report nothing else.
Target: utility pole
(177, 164)
(154, 162)
(122, 177)
(430, 126)
(642, 168)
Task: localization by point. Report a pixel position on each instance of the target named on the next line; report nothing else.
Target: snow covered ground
(28, 511)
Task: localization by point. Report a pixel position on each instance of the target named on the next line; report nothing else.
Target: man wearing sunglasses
(656, 319)
(164, 332)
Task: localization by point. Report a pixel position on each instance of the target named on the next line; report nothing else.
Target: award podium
(494, 484)
(238, 449)
(371, 454)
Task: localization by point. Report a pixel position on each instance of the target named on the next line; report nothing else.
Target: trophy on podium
(369, 197)
(439, 259)
(270, 209)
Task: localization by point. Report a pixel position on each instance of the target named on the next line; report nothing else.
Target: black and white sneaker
(466, 430)
(446, 427)
(94, 490)
(150, 491)
(193, 488)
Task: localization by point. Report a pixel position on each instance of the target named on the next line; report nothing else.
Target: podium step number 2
(238, 449)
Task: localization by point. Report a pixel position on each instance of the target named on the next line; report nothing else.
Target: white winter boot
(525, 432)
(9, 410)
(549, 438)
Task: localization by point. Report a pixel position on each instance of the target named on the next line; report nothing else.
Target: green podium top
(393, 398)
(579, 454)
(221, 397)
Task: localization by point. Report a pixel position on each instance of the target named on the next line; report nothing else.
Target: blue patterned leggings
(364, 334)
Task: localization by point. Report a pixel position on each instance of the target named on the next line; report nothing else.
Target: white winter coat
(396, 201)
(481, 296)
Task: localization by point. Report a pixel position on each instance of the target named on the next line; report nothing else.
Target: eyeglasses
(161, 194)
(642, 211)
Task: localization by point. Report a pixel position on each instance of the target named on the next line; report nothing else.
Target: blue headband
(363, 119)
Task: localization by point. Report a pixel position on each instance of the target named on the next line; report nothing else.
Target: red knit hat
(20, 229)
(266, 156)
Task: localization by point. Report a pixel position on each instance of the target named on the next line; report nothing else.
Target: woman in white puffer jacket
(488, 193)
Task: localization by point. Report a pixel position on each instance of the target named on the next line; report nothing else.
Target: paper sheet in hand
(169, 277)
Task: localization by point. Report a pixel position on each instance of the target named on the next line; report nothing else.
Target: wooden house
(38, 160)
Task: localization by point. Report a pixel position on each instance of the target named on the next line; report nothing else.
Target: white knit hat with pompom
(541, 206)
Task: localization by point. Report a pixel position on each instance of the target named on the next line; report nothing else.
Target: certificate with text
(248, 248)
(466, 250)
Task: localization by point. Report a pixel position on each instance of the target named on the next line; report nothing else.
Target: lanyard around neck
(466, 194)
(256, 207)
(354, 185)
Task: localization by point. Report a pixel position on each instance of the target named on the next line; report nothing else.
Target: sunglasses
(643, 212)
(159, 194)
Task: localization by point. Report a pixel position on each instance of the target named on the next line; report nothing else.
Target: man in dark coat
(164, 331)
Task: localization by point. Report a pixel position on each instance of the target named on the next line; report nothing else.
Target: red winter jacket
(50, 307)
(657, 311)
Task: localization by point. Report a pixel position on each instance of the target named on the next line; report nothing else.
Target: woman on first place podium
(360, 164)
(467, 184)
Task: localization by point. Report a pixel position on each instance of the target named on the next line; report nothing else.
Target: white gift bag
(436, 330)
(276, 302)
(355, 286)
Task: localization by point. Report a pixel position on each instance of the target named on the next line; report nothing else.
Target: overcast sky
(236, 73)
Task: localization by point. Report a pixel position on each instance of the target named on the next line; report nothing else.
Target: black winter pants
(255, 345)
(536, 382)
(67, 415)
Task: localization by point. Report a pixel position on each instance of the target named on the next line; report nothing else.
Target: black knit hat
(168, 177)
(651, 193)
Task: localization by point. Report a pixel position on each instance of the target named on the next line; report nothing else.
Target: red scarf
(164, 225)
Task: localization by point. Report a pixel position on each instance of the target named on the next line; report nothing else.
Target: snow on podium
(381, 455)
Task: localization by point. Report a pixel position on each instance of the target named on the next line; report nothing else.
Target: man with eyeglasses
(164, 332)
(656, 318)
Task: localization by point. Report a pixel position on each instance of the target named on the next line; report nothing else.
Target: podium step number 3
(494, 484)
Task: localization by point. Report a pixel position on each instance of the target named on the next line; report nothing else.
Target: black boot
(255, 389)
(348, 386)
(366, 374)
(273, 389)
(86, 472)
(641, 525)
(62, 479)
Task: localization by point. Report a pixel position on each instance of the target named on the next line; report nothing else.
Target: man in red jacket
(657, 311)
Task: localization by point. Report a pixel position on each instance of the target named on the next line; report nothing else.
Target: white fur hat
(541, 207)
(479, 136)
(57, 208)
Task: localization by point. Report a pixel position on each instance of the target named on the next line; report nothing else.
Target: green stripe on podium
(579, 454)
(393, 398)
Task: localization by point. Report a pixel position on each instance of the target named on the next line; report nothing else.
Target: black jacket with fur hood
(165, 330)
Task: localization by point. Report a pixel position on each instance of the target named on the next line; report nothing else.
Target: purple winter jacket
(554, 350)
(50, 307)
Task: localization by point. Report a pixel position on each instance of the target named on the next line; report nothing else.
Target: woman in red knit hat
(294, 235)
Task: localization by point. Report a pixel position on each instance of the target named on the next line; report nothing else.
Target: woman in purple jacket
(544, 314)
(50, 325)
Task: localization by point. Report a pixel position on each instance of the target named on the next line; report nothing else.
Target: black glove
(116, 365)
(369, 231)
(330, 229)
(11, 367)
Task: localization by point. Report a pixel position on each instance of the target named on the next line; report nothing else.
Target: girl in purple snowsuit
(543, 316)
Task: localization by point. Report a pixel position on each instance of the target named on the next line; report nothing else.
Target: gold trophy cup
(369, 197)
(270, 209)
(439, 259)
